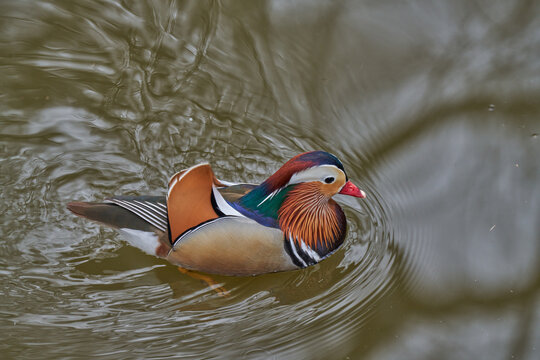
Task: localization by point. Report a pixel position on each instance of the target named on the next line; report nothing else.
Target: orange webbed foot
(221, 291)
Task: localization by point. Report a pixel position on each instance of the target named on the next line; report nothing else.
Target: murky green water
(433, 107)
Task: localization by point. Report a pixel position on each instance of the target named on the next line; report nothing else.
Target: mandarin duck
(288, 222)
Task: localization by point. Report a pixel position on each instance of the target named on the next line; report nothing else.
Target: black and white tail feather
(149, 208)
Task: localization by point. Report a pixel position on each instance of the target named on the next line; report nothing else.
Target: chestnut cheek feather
(330, 190)
(308, 215)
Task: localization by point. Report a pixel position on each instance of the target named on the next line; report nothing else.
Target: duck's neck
(262, 204)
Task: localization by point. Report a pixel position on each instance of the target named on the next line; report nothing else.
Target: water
(432, 107)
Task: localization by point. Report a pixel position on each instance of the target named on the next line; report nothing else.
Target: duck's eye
(329, 180)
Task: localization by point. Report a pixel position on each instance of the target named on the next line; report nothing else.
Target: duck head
(322, 170)
(298, 199)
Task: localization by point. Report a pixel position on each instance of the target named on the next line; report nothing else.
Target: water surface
(433, 107)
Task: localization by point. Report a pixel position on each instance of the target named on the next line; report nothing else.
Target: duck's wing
(150, 213)
(151, 209)
(194, 198)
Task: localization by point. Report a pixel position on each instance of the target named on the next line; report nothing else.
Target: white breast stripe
(293, 248)
(223, 205)
(309, 251)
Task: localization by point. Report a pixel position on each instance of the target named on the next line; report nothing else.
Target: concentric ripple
(89, 280)
(434, 115)
(87, 283)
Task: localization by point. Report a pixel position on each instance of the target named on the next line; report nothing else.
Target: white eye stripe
(317, 173)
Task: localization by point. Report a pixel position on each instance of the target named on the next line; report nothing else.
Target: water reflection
(433, 109)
